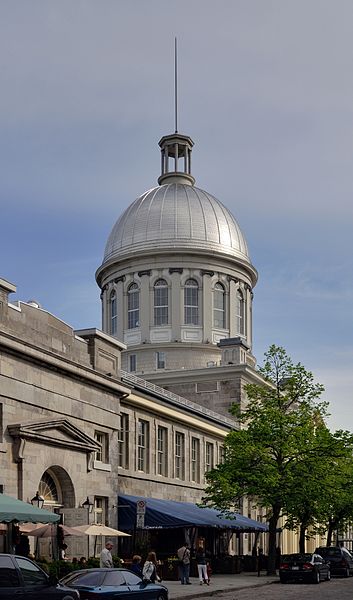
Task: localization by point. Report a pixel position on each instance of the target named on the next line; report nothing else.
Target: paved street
(336, 589)
(250, 587)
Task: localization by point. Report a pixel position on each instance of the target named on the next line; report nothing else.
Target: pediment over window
(55, 432)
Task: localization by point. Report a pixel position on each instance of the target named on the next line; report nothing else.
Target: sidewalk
(219, 583)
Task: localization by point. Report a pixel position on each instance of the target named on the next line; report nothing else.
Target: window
(209, 456)
(132, 363)
(113, 313)
(162, 451)
(191, 302)
(123, 442)
(221, 455)
(160, 360)
(219, 306)
(179, 455)
(48, 490)
(161, 302)
(102, 439)
(240, 313)
(195, 460)
(100, 517)
(32, 575)
(133, 306)
(8, 573)
(142, 446)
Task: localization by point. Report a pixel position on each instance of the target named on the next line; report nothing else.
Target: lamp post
(37, 500)
(88, 505)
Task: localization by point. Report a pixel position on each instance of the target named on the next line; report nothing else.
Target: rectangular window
(132, 363)
(100, 517)
(209, 460)
(143, 435)
(123, 442)
(221, 455)
(1, 425)
(162, 451)
(102, 455)
(160, 360)
(179, 456)
(195, 460)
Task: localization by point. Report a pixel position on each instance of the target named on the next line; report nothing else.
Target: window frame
(209, 456)
(123, 441)
(191, 303)
(143, 445)
(195, 459)
(160, 360)
(133, 306)
(102, 438)
(162, 451)
(161, 303)
(113, 313)
(219, 306)
(179, 456)
(240, 312)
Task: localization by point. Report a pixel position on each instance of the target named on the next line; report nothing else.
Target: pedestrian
(82, 562)
(202, 565)
(260, 561)
(184, 564)
(62, 553)
(149, 571)
(136, 566)
(106, 559)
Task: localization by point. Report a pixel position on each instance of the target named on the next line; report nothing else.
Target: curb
(224, 591)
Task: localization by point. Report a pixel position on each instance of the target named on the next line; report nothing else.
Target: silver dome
(176, 216)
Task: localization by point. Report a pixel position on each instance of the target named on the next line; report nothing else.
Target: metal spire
(176, 84)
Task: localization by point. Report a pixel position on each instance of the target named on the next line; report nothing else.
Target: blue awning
(163, 514)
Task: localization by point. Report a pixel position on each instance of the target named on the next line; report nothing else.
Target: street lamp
(37, 500)
(88, 505)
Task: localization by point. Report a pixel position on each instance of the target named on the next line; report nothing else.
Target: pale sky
(266, 93)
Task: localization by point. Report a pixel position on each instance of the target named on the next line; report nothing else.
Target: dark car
(22, 578)
(304, 567)
(105, 584)
(341, 561)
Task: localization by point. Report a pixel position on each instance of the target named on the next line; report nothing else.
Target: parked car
(304, 567)
(105, 584)
(341, 561)
(22, 578)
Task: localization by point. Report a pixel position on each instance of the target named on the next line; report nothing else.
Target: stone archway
(57, 488)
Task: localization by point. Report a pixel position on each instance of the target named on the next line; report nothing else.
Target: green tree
(318, 479)
(262, 458)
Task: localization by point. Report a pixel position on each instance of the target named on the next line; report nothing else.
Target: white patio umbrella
(97, 529)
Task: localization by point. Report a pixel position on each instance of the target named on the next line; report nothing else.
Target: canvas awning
(16, 511)
(163, 514)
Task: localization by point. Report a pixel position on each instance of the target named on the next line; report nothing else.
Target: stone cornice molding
(60, 433)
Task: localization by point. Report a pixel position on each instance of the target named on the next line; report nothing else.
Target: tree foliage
(281, 451)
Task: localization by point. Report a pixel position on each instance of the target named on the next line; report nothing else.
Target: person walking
(136, 565)
(106, 559)
(149, 571)
(202, 565)
(184, 564)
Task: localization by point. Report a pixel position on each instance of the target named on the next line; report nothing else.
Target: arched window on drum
(113, 313)
(161, 302)
(219, 311)
(240, 313)
(191, 302)
(133, 306)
